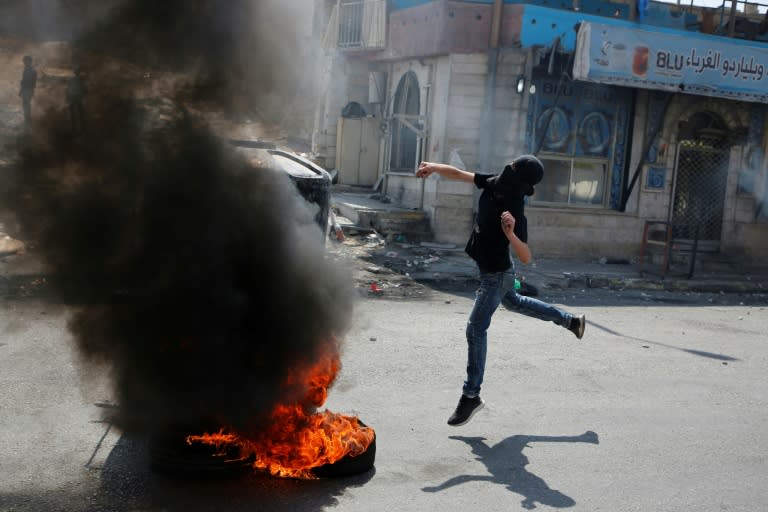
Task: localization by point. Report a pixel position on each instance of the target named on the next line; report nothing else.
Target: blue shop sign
(666, 61)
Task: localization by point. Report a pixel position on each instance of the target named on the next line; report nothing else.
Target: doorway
(701, 172)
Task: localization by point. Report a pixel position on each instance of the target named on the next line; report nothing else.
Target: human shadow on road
(506, 464)
(700, 353)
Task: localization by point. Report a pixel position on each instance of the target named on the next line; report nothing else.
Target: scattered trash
(372, 338)
(375, 288)
(391, 254)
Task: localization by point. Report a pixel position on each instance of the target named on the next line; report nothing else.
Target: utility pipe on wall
(487, 119)
(496, 23)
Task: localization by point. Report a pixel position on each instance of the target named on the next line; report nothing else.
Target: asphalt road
(661, 407)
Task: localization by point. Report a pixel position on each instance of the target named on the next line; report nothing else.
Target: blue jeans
(499, 288)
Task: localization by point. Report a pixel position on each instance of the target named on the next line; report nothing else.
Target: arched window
(406, 125)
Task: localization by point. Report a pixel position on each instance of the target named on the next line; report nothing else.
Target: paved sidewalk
(426, 261)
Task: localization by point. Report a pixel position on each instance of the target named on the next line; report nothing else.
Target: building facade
(639, 113)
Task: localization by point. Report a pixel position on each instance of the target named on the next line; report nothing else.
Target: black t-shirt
(488, 245)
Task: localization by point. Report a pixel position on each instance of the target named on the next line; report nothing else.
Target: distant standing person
(76, 91)
(501, 223)
(27, 90)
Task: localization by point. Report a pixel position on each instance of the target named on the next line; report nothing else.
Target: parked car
(312, 181)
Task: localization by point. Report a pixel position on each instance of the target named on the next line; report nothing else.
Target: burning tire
(173, 455)
(349, 466)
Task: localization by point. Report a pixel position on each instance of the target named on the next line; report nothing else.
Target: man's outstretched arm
(450, 172)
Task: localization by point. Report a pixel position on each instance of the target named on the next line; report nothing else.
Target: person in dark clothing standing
(76, 91)
(27, 90)
(500, 225)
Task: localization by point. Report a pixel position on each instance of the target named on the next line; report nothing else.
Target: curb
(673, 285)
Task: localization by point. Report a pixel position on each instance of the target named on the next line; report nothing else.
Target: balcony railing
(358, 24)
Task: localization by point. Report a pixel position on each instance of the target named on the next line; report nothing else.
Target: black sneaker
(577, 325)
(465, 410)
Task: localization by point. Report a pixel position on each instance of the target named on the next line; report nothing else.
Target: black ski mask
(519, 176)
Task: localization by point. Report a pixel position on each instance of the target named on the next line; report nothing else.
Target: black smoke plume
(196, 276)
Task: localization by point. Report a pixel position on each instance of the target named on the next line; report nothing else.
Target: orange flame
(299, 439)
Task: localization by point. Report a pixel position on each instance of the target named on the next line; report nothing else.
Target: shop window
(573, 182)
(579, 133)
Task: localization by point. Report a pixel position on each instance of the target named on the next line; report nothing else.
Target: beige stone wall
(465, 104)
(744, 236)
(750, 242)
(450, 204)
(554, 232)
(452, 210)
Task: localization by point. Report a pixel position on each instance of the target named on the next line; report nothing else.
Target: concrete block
(404, 190)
